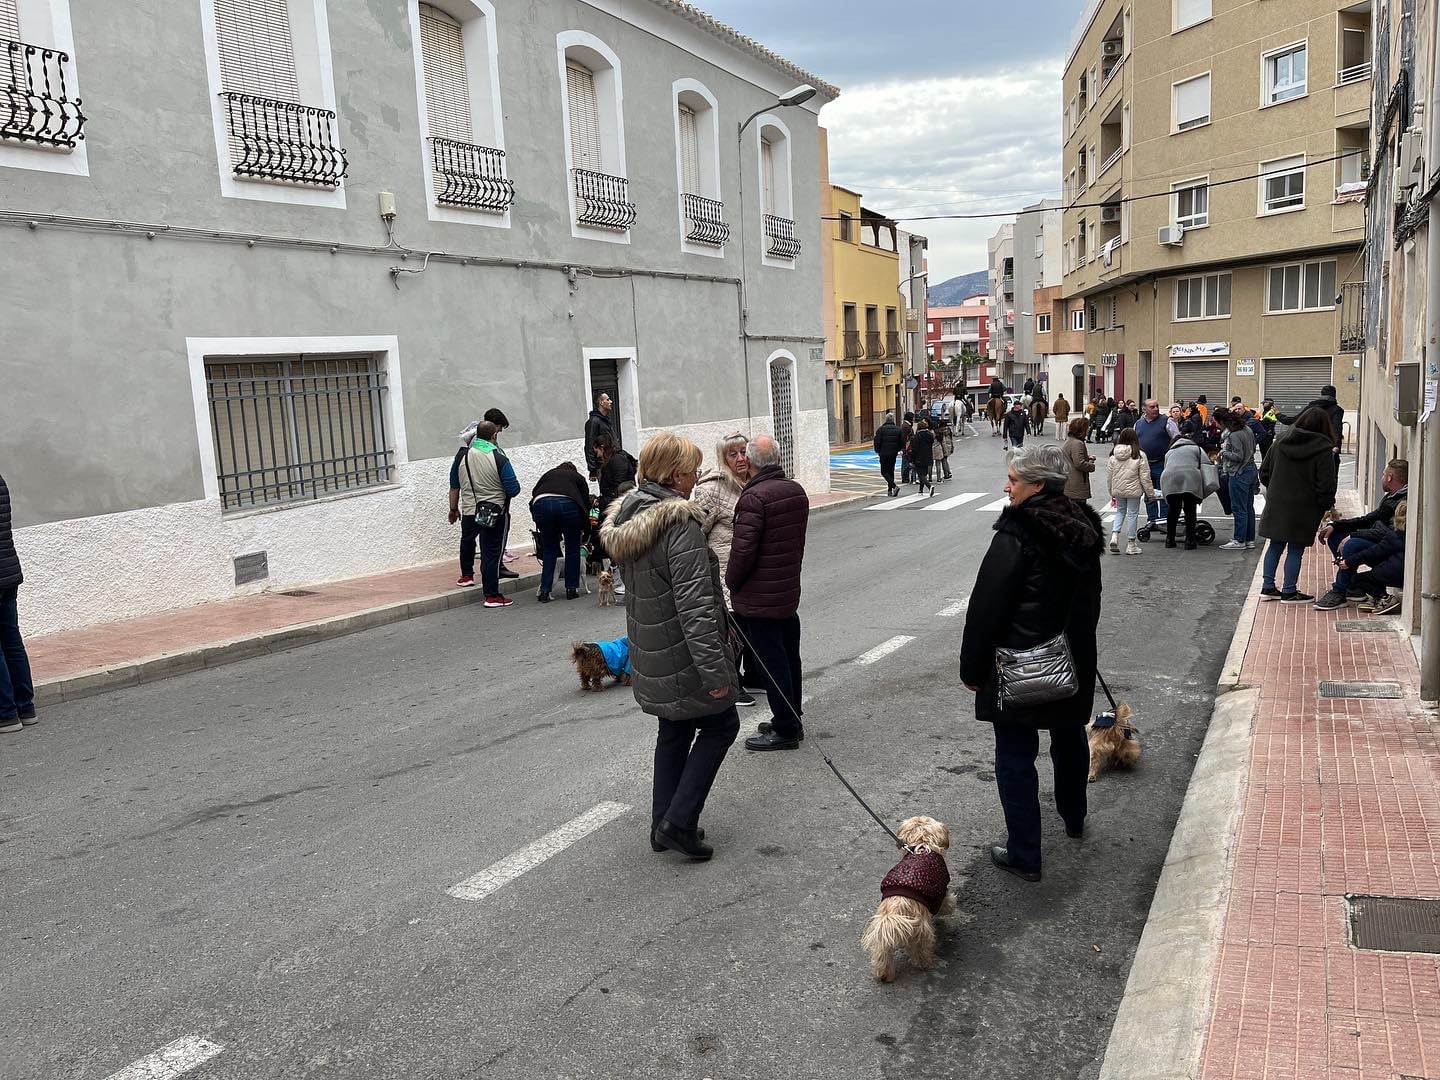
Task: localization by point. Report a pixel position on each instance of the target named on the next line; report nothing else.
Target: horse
(994, 410)
(1039, 410)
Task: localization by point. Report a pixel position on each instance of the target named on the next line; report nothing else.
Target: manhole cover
(1365, 626)
(1395, 924)
(1360, 690)
(298, 592)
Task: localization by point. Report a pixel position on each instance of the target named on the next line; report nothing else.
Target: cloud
(965, 144)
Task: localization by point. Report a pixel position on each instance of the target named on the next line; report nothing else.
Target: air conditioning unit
(1111, 49)
(1171, 235)
(1408, 166)
(1110, 215)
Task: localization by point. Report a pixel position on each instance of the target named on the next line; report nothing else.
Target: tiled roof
(711, 25)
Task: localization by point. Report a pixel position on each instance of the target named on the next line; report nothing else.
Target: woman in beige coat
(1077, 483)
(1130, 487)
(716, 494)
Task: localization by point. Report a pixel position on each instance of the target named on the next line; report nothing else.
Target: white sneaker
(1132, 548)
(1232, 545)
(1249, 545)
(619, 587)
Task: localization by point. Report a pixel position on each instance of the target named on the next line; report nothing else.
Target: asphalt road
(258, 856)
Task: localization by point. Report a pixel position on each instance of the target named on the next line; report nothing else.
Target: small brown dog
(915, 892)
(1113, 738)
(606, 580)
(597, 661)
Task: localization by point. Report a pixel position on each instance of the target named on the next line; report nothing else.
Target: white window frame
(604, 63)
(1194, 182)
(1175, 128)
(315, 71)
(1327, 298)
(1176, 27)
(784, 183)
(1039, 245)
(1205, 314)
(1077, 318)
(1042, 324)
(706, 106)
(1263, 209)
(46, 23)
(487, 118)
(1267, 82)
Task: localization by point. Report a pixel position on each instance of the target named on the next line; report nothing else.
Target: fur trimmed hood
(1069, 528)
(633, 525)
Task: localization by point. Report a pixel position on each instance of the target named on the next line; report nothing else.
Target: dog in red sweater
(913, 894)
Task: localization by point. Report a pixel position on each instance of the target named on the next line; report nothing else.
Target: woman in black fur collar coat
(1040, 576)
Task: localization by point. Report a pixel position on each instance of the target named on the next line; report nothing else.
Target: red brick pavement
(1342, 797)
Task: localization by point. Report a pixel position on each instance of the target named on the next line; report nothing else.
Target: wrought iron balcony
(1352, 317)
(705, 220)
(874, 345)
(854, 348)
(602, 200)
(894, 344)
(780, 239)
(35, 103)
(280, 140)
(470, 176)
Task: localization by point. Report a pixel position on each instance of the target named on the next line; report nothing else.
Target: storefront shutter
(447, 90)
(689, 151)
(584, 111)
(1294, 382)
(257, 54)
(1191, 378)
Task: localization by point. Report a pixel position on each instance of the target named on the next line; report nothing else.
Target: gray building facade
(1030, 264)
(299, 249)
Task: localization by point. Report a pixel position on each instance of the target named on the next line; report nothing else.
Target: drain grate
(1365, 626)
(298, 592)
(1395, 924)
(1360, 690)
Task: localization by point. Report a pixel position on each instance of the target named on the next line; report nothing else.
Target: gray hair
(1040, 463)
(762, 451)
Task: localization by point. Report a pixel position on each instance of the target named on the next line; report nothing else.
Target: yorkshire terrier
(597, 661)
(1113, 738)
(606, 580)
(915, 892)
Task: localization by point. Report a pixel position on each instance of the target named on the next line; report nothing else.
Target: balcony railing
(894, 344)
(35, 103)
(280, 140)
(1114, 157)
(854, 348)
(470, 176)
(1007, 286)
(780, 239)
(603, 201)
(874, 345)
(1352, 317)
(1355, 73)
(705, 220)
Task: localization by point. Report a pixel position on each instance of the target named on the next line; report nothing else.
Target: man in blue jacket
(1156, 431)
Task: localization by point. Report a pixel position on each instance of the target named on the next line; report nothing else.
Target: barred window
(291, 429)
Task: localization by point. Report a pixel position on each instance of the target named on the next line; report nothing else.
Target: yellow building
(864, 339)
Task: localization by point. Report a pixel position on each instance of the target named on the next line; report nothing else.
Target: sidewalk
(1299, 804)
(94, 659)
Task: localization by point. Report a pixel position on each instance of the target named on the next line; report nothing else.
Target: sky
(946, 106)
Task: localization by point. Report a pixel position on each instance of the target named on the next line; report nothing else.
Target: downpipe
(1430, 433)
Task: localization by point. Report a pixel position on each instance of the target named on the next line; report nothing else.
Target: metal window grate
(35, 102)
(292, 429)
(782, 402)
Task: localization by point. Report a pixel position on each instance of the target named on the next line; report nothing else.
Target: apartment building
(1214, 159)
(1037, 246)
(251, 299)
(953, 329)
(1000, 250)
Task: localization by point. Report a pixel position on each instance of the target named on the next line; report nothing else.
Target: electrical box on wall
(1407, 394)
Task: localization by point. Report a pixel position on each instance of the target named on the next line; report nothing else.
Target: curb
(82, 684)
(1159, 1030)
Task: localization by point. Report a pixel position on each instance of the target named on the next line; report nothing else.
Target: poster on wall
(1245, 367)
(1200, 348)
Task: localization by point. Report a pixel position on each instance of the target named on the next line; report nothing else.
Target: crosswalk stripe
(895, 504)
(998, 504)
(956, 500)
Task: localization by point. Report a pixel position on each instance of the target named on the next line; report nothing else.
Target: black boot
(656, 845)
(685, 841)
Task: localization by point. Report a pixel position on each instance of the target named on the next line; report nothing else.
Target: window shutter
(689, 151)
(1192, 378)
(257, 55)
(767, 176)
(9, 21)
(584, 112)
(447, 91)
(1295, 382)
(1192, 102)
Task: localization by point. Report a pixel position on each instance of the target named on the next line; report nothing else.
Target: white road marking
(957, 500)
(954, 608)
(885, 648)
(171, 1060)
(998, 504)
(481, 885)
(895, 504)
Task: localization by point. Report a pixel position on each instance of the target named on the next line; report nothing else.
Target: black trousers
(688, 754)
(1016, 747)
(887, 469)
(923, 468)
(492, 549)
(776, 643)
(1173, 505)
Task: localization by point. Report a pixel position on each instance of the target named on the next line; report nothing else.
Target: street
(258, 856)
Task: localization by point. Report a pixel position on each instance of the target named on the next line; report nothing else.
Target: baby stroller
(1204, 531)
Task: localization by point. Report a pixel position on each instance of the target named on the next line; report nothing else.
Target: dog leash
(1108, 695)
(796, 717)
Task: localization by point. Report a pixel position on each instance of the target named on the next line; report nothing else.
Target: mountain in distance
(951, 292)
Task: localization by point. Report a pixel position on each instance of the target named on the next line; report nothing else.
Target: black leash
(796, 717)
(1110, 696)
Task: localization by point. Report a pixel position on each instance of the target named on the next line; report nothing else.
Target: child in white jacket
(1130, 487)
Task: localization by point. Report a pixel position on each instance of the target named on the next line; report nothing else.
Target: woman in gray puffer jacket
(1183, 485)
(684, 667)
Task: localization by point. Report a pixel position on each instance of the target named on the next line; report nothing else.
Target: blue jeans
(1293, 554)
(1016, 746)
(1243, 486)
(1344, 579)
(17, 690)
(558, 519)
(1127, 516)
(1158, 508)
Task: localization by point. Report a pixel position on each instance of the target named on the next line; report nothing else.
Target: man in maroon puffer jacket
(764, 579)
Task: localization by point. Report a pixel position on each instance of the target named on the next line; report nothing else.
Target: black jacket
(1040, 576)
(596, 426)
(1299, 479)
(1016, 424)
(1333, 409)
(997, 388)
(1384, 514)
(10, 574)
(922, 447)
(615, 473)
(768, 547)
(563, 479)
(889, 440)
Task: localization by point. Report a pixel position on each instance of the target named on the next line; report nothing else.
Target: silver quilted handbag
(1035, 676)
